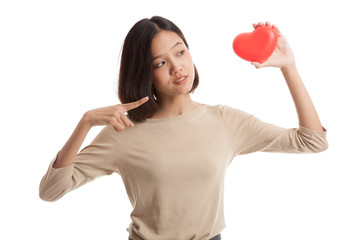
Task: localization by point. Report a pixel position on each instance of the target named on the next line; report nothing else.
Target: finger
(255, 25)
(126, 120)
(267, 23)
(118, 126)
(277, 29)
(261, 23)
(132, 105)
(256, 64)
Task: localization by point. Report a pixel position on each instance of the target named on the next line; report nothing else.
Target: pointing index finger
(136, 104)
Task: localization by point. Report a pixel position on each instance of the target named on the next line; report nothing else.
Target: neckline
(180, 116)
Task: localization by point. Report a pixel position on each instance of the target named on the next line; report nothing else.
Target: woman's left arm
(283, 58)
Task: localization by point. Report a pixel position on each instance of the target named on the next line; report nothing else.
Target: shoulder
(231, 114)
(226, 109)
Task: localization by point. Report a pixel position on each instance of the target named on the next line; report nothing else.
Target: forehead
(163, 41)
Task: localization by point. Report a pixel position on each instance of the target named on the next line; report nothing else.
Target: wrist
(85, 122)
(288, 68)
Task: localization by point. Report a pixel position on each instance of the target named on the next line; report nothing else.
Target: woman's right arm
(69, 151)
(70, 169)
(113, 115)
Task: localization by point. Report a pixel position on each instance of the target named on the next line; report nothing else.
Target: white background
(60, 59)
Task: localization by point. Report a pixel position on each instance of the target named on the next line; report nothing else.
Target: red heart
(256, 46)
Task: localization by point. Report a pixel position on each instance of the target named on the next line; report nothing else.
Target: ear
(153, 92)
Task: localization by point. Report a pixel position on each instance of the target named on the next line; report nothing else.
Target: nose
(175, 68)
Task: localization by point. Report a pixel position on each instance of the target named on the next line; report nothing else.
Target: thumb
(257, 65)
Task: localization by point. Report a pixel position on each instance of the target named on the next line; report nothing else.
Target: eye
(181, 53)
(160, 64)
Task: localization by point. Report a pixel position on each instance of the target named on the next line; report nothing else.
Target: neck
(175, 106)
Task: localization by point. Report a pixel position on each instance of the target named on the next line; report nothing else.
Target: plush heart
(256, 46)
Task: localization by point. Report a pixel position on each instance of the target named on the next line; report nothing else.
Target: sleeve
(95, 160)
(250, 134)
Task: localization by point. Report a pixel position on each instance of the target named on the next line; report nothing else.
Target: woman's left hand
(282, 57)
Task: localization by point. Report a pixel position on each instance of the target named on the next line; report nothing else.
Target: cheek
(188, 60)
(189, 64)
(159, 76)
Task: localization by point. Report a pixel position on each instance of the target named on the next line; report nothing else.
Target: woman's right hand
(113, 115)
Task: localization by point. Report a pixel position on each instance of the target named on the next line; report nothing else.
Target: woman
(171, 152)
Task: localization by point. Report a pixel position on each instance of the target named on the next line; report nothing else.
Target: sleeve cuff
(66, 168)
(311, 131)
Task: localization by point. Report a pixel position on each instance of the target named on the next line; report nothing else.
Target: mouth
(181, 80)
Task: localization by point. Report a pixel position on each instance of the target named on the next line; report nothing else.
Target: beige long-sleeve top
(173, 169)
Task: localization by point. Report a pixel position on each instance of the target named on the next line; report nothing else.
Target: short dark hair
(136, 68)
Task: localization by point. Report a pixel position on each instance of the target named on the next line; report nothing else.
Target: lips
(180, 79)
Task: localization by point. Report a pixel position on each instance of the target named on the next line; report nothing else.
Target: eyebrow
(178, 43)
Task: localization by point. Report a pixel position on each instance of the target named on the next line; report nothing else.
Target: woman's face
(171, 61)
